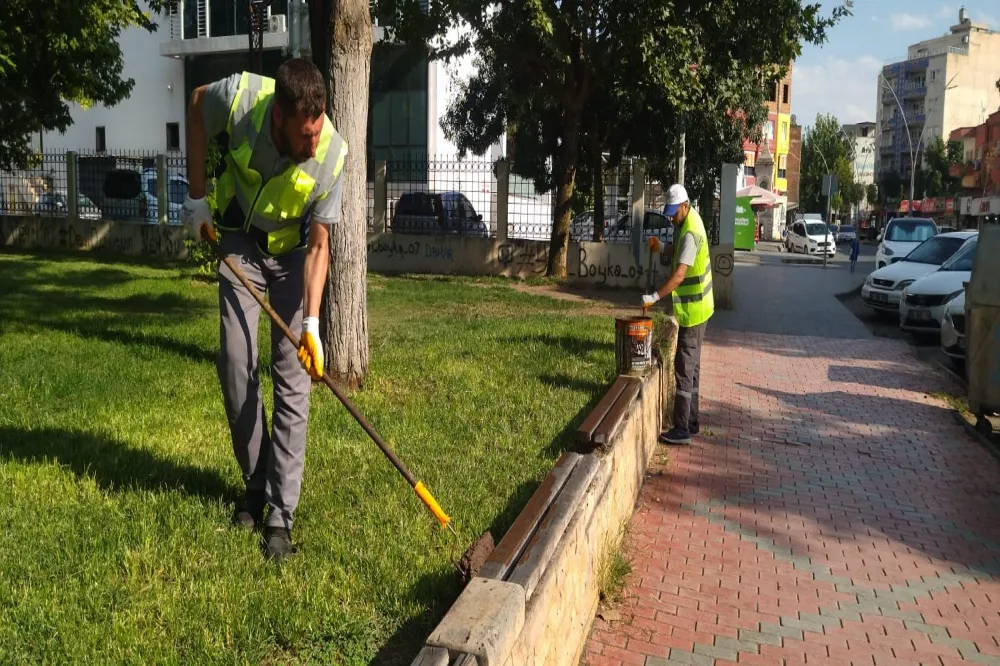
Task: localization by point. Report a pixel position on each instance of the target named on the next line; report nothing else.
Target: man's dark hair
(299, 88)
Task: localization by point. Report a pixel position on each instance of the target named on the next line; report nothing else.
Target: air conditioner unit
(277, 23)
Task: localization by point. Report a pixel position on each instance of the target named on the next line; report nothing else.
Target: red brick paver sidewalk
(831, 512)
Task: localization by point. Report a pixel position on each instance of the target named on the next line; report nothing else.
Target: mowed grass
(117, 476)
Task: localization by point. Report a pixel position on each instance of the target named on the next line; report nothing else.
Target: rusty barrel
(633, 345)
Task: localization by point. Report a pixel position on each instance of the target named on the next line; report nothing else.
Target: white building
(942, 84)
(862, 139)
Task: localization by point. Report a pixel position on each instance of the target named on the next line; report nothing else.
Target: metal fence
(617, 207)
(441, 195)
(121, 186)
(428, 195)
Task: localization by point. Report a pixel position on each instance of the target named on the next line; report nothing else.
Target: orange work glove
(311, 349)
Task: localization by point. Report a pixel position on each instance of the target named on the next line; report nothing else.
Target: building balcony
(199, 27)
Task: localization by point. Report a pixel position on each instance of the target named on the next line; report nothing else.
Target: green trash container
(746, 225)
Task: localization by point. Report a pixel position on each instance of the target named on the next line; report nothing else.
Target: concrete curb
(538, 593)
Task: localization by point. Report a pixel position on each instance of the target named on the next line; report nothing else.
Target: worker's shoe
(249, 511)
(675, 436)
(278, 543)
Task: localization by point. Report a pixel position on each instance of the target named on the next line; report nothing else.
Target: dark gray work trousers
(271, 462)
(687, 375)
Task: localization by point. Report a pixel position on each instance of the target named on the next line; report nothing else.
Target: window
(783, 166)
(102, 145)
(784, 94)
(784, 132)
(768, 129)
(864, 131)
(933, 75)
(173, 136)
(772, 94)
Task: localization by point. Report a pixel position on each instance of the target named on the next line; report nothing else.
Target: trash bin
(982, 316)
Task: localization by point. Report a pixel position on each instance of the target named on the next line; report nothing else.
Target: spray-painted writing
(526, 257)
(606, 268)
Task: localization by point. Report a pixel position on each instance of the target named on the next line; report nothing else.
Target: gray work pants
(271, 461)
(687, 375)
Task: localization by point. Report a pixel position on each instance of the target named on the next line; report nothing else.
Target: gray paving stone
(759, 637)
(715, 651)
(787, 632)
(737, 645)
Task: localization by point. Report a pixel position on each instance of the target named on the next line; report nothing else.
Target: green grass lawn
(117, 477)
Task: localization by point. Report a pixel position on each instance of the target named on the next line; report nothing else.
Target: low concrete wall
(542, 610)
(27, 232)
(600, 264)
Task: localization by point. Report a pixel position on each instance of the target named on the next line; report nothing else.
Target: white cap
(676, 195)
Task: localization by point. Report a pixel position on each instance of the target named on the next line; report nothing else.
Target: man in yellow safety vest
(690, 285)
(278, 190)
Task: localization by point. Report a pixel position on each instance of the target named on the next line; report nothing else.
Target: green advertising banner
(746, 225)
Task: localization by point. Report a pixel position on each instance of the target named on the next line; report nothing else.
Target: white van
(812, 238)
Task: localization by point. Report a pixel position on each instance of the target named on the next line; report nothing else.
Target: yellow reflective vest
(693, 301)
(273, 212)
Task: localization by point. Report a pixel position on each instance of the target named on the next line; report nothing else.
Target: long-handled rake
(479, 550)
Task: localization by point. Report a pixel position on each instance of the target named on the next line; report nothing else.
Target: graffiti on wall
(723, 264)
(392, 249)
(84, 235)
(606, 267)
(523, 257)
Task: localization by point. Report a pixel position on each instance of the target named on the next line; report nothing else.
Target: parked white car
(846, 234)
(883, 288)
(953, 331)
(922, 306)
(901, 236)
(813, 238)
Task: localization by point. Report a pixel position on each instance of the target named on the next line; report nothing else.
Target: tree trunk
(345, 304)
(565, 182)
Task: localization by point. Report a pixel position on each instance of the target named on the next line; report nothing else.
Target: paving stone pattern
(831, 512)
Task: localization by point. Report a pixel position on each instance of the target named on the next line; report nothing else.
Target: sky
(839, 77)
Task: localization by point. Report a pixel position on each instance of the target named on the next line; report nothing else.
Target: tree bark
(345, 303)
(565, 182)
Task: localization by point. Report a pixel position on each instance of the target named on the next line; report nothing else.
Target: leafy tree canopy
(569, 78)
(56, 52)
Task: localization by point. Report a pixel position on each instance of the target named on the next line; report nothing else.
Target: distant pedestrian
(690, 291)
(855, 251)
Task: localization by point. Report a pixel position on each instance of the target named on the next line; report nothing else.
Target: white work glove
(649, 300)
(311, 348)
(194, 214)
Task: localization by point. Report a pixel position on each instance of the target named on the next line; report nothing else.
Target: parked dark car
(437, 213)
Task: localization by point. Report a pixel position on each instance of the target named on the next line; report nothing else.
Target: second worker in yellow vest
(278, 190)
(690, 288)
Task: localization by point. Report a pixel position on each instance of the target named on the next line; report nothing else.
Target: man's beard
(283, 146)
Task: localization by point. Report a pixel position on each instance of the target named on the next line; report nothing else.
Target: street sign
(829, 184)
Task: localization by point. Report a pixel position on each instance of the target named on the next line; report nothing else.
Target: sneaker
(278, 543)
(249, 512)
(675, 436)
(694, 429)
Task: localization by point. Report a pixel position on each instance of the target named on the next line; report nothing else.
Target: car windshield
(935, 250)
(910, 231)
(962, 260)
(816, 229)
(846, 229)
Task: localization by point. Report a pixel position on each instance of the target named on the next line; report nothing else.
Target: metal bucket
(633, 345)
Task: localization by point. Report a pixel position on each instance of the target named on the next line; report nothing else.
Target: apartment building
(861, 137)
(776, 138)
(943, 84)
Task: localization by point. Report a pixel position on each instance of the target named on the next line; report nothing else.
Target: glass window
(935, 250)
(816, 229)
(963, 259)
(910, 230)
